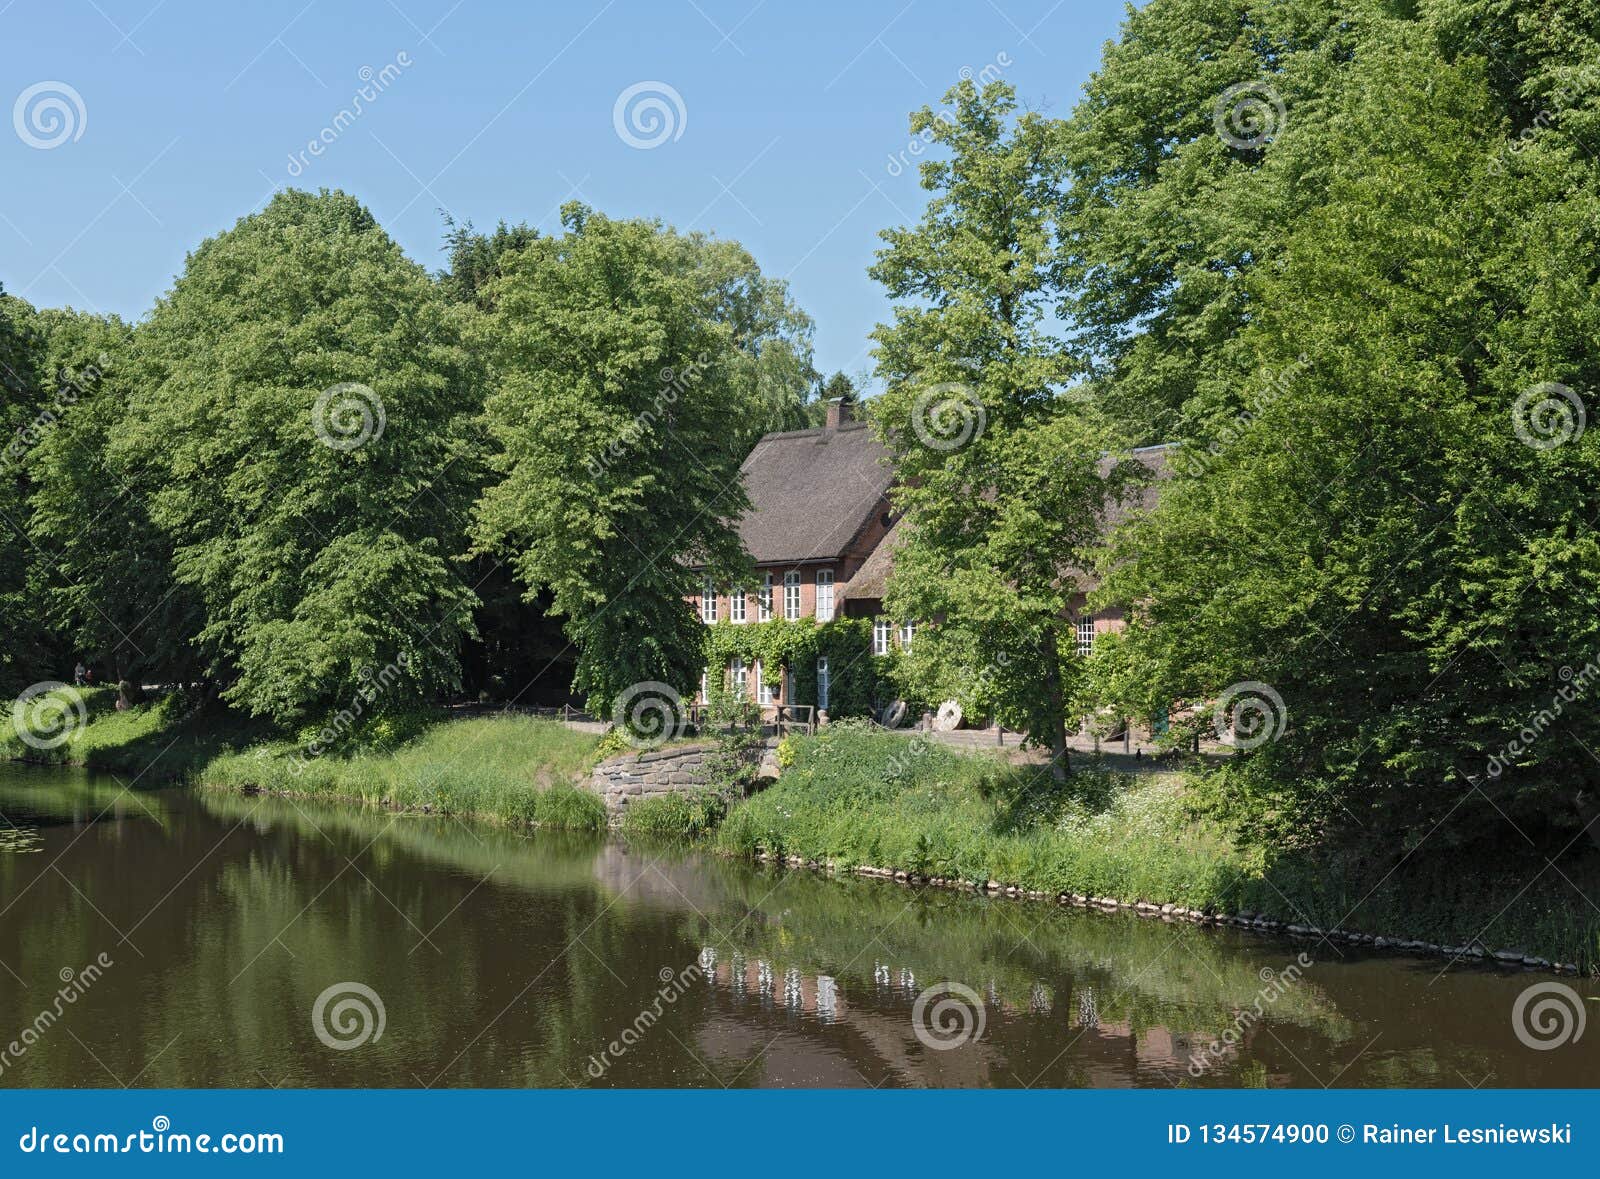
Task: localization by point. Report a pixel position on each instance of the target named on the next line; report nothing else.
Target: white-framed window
(738, 678)
(1085, 633)
(708, 602)
(705, 687)
(881, 631)
(822, 681)
(763, 689)
(736, 604)
(764, 599)
(791, 594)
(824, 595)
(908, 631)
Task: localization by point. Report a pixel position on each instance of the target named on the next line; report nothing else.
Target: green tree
(103, 577)
(23, 649)
(477, 259)
(1400, 537)
(623, 405)
(1165, 213)
(301, 416)
(999, 464)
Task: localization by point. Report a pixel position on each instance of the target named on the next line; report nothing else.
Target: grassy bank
(856, 798)
(504, 769)
(852, 797)
(161, 740)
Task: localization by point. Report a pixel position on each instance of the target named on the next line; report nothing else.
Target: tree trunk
(1056, 723)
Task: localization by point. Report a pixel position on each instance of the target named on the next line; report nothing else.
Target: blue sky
(788, 131)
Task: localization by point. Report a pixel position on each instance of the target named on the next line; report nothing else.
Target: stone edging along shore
(1257, 922)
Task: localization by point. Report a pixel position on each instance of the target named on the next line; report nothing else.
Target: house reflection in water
(1103, 1053)
(745, 978)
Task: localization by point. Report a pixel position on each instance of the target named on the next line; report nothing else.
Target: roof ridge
(813, 431)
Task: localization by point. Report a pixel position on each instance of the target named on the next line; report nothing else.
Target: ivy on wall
(856, 678)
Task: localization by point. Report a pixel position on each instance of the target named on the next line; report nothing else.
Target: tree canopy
(300, 406)
(999, 465)
(632, 369)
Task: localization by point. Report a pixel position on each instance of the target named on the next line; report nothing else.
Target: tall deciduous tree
(999, 466)
(627, 364)
(22, 626)
(1166, 216)
(104, 573)
(300, 410)
(1400, 536)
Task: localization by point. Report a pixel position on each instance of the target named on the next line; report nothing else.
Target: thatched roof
(811, 492)
(872, 579)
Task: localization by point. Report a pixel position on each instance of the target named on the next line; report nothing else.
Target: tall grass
(507, 769)
(675, 816)
(853, 797)
(156, 741)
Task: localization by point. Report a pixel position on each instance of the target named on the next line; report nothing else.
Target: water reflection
(510, 960)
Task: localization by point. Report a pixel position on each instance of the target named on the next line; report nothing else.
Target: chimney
(840, 411)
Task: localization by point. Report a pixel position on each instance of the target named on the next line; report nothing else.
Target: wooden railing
(794, 718)
(780, 719)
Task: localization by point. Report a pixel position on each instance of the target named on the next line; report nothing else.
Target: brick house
(822, 533)
(819, 512)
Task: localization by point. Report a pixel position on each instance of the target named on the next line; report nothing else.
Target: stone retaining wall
(678, 770)
(622, 780)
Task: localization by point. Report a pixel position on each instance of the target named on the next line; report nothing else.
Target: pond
(178, 938)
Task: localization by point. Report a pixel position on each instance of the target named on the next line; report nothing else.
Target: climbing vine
(855, 679)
